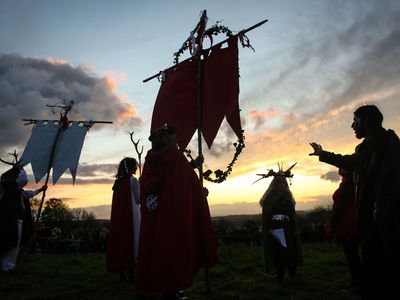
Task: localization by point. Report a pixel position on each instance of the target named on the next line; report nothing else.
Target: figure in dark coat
(281, 234)
(16, 222)
(376, 165)
(176, 237)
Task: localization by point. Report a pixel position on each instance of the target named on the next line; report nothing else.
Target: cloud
(274, 117)
(342, 61)
(27, 85)
(331, 176)
(92, 174)
(91, 170)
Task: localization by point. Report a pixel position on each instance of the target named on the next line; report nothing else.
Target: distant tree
(222, 227)
(56, 213)
(250, 226)
(85, 218)
(35, 202)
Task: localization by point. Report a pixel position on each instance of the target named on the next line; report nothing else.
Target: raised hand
(317, 149)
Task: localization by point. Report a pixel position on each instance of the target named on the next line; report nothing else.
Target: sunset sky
(314, 63)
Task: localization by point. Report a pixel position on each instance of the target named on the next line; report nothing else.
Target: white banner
(67, 150)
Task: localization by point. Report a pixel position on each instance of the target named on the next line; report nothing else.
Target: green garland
(221, 176)
(213, 30)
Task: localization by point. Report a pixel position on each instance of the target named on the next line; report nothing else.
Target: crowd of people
(160, 231)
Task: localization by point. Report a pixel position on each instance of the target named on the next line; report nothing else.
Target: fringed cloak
(177, 238)
(278, 200)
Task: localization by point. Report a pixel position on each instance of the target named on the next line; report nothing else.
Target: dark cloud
(350, 60)
(87, 170)
(331, 176)
(27, 85)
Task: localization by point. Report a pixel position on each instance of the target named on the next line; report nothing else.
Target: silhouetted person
(176, 237)
(281, 233)
(343, 226)
(123, 236)
(16, 221)
(376, 165)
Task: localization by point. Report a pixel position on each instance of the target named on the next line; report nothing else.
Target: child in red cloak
(176, 237)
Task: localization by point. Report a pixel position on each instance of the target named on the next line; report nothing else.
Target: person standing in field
(176, 238)
(342, 227)
(280, 230)
(123, 237)
(376, 166)
(16, 221)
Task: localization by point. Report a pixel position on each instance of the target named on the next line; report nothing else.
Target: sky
(314, 63)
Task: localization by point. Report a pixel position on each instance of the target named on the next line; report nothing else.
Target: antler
(270, 173)
(139, 153)
(15, 160)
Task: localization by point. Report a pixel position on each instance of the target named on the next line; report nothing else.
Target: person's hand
(43, 188)
(197, 162)
(205, 191)
(317, 149)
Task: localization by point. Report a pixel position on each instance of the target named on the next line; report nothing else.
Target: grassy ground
(239, 275)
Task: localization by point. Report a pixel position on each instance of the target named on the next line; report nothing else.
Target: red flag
(221, 90)
(176, 102)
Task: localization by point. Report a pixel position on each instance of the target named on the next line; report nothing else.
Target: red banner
(176, 102)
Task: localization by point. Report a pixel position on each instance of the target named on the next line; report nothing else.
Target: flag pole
(200, 65)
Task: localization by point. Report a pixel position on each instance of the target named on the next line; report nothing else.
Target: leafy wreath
(220, 176)
(213, 30)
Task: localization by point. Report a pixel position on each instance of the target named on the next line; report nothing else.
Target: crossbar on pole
(224, 41)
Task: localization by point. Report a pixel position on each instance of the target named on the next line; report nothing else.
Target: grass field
(239, 275)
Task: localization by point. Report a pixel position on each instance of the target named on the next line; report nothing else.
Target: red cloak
(343, 219)
(120, 245)
(177, 238)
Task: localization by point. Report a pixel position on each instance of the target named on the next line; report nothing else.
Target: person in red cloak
(176, 238)
(343, 226)
(123, 239)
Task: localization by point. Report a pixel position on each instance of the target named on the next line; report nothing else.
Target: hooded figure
(16, 222)
(176, 237)
(123, 239)
(281, 233)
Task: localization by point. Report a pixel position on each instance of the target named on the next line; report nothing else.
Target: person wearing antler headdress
(176, 237)
(16, 222)
(281, 233)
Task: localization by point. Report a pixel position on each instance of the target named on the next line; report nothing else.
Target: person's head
(367, 119)
(15, 175)
(127, 166)
(163, 136)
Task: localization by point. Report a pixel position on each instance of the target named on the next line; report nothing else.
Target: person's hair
(371, 114)
(127, 166)
(157, 138)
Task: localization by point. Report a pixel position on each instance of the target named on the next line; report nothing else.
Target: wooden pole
(50, 164)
